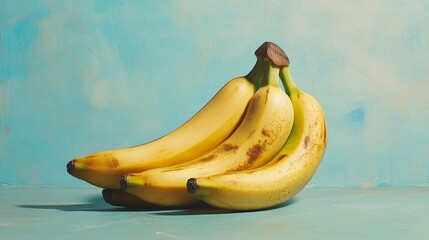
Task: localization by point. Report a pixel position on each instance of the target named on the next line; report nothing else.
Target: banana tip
(123, 182)
(70, 167)
(191, 185)
(107, 195)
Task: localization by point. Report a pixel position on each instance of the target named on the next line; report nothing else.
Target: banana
(208, 128)
(117, 197)
(281, 178)
(263, 131)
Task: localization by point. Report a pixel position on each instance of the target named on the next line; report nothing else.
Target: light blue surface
(82, 76)
(316, 213)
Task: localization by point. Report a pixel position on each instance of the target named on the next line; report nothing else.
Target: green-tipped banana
(283, 177)
(263, 131)
(214, 123)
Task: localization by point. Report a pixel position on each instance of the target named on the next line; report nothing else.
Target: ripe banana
(263, 131)
(118, 197)
(284, 176)
(208, 128)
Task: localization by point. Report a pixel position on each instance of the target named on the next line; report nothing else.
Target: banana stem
(271, 77)
(287, 81)
(255, 75)
(264, 73)
(270, 58)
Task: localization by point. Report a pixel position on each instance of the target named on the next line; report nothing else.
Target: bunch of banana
(253, 146)
(262, 132)
(285, 175)
(206, 130)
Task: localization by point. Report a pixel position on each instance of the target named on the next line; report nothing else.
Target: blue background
(83, 76)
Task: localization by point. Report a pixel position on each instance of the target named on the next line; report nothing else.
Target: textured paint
(82, 76)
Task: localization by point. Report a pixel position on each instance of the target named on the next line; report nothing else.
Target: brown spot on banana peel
(230, 147)
(324, 136)
(266, 96)
(111, 162)
(306, 141)
(254, 153)
(265, 132)
(279, 158)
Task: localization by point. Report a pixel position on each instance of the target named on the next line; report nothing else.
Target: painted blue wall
(82, 76)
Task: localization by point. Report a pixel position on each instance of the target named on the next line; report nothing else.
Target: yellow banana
(118, 197)
(284, 176)
(203, 132)
(263, 131)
